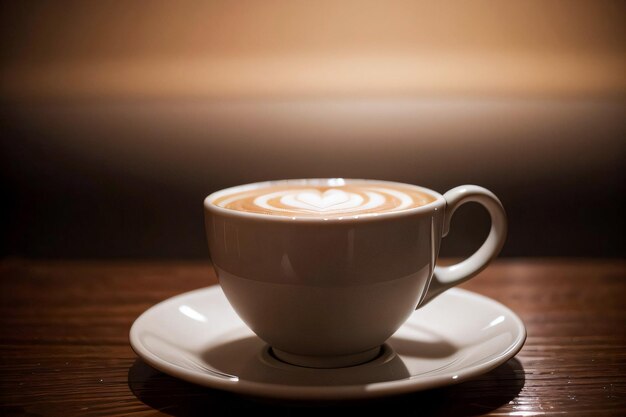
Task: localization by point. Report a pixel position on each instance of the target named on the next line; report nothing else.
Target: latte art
(327, 201)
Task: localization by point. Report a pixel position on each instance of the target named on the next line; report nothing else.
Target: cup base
(342, 361)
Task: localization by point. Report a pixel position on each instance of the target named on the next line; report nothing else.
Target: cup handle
(445, 277)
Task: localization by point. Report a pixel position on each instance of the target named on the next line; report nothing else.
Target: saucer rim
(356, 391)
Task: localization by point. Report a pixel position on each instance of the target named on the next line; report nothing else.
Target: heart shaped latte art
(324, 201)
(334, 201)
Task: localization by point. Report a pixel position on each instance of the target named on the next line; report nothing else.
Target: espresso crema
(331, 198)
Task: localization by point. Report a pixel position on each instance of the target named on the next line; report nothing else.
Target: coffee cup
(326, 270)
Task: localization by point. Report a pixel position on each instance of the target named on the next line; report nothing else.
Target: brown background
(117, 118)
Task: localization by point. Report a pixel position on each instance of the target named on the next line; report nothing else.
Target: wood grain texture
(65, 352)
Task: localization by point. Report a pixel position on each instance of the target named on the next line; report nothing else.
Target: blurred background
(117, 118)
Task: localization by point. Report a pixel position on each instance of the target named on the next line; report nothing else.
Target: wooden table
(65, 352)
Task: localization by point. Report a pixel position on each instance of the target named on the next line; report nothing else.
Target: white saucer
(197, 337)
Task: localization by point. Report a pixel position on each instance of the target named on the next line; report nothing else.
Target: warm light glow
(269, 48)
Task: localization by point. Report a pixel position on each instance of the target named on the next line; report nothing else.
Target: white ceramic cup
(328, 293)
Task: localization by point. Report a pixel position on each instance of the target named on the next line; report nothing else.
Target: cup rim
(438, 203)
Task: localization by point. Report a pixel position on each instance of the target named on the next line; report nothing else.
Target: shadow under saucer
(175, 397)
(251, 359)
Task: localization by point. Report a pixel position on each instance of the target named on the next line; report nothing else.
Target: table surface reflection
(64, 344)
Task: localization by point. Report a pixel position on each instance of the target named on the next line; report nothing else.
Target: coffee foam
(326, 200)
